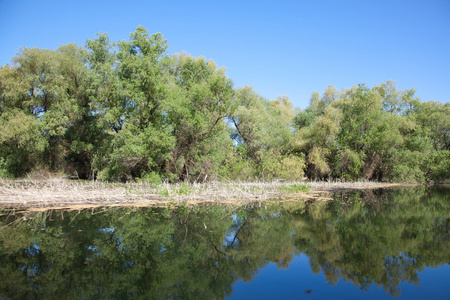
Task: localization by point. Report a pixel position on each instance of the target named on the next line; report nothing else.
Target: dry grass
(60, 192)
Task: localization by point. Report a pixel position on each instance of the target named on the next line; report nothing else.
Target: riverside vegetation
(130, 111)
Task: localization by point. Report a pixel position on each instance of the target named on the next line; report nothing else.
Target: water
(376, 244)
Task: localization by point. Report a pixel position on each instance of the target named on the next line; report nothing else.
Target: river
(366, 244)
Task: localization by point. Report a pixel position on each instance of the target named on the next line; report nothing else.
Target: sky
(279, 47)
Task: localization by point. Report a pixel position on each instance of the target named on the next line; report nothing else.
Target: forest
(131, 111)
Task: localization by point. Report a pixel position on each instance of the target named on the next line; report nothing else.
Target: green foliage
(287, 167)
(294, 188)
(19, 143)
(184, 189)
(439, 165)
(408, 167)
(263, 132)
(236, 167)
(4, 173)
(377, 134)
(317, 162)
(199, 100)
(350, 164)
(164, 192)
(127, 110)
(151, 177)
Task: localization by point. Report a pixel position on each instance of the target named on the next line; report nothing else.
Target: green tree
(131, 103)
(200, 99)
(263, 132)
(317, 128)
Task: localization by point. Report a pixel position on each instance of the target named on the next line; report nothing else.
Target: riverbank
(64, 193)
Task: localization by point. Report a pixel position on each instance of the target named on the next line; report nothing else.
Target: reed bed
(61, 192)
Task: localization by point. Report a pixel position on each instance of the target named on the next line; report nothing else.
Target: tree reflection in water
(381, 236)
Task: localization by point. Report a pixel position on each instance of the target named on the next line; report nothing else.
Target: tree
(132, 103)
(201, 97)
(264, 130)
(317, 128)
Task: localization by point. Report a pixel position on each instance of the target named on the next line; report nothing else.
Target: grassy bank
(59, 192)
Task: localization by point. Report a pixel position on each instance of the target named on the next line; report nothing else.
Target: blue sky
(278, 47)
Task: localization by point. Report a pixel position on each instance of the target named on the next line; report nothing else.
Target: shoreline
(61, 193)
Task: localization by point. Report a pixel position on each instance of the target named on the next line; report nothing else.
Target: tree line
(128, 110)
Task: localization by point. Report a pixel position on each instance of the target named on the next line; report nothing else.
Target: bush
(439, 165)
(4, 169)
(283, 167)
(317, 164)
(350, 164)
(150, 177)
(237, 168)
(407, 168)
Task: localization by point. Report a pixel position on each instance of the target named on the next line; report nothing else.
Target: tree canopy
(129, 110)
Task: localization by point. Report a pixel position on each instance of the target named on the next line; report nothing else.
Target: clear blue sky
(278, 47)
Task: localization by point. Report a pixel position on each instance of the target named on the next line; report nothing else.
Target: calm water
(364, 245)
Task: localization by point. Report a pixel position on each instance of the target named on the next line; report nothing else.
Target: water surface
(372, 244)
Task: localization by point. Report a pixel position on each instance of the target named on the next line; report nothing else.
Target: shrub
(150, 177)
(283, 167)
(4, 169)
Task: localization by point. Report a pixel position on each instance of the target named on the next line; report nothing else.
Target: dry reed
(61, 192)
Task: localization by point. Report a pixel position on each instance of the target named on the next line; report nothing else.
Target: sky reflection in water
(298, 282)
